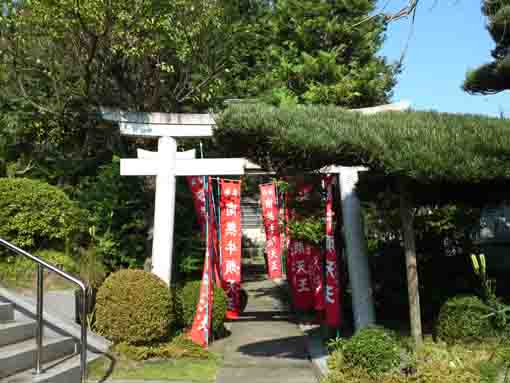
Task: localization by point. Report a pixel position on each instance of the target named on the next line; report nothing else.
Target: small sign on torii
(166, 164)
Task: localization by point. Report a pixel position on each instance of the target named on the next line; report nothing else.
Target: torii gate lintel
(166, 164)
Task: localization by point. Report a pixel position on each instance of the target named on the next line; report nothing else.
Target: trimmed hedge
(34, 214)
(463, 318)
(373, 349)
(135, 307)
(188, 299)
(423, 147)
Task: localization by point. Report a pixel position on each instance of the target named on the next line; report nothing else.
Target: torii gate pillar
(164, 211)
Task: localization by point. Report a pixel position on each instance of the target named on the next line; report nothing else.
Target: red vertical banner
(314, 257)
(231, 235)
(290, 269)
(332, 291)
(268, 200)
(196, 185)
(200, 330)
(303, 294)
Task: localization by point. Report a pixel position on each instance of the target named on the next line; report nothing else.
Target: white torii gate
(166, 164)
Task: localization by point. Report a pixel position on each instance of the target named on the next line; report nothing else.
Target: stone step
(16, 331)
(6, 312)
(21, 356)
(64, 370)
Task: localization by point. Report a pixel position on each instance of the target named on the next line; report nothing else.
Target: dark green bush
(374, 349)
(117, 208)
(34, 214)
(188, 300)
(464, 318)
(135, 307)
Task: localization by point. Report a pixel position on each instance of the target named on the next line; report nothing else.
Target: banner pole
(208, 256)
(218, 216)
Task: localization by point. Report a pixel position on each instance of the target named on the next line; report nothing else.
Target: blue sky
(449, 37)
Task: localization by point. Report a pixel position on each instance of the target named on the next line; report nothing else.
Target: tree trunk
(407, 217)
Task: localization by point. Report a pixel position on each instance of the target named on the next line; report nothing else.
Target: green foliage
(178, 347)
(311, 229)
(61, 60)
(439, 153)
(117, 208)
(135, 307)
(319, 53)
(138, 54)
(188, 299)
(177, 370)
(35, 215)
(91, 268)
(464, 318)
(443, 241)
(335, 344)
(21, 269)
(372, 349)
(493, 77)
(432, 363)
(188, 243)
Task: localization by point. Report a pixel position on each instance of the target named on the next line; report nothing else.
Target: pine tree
(493, 77)
(324, 52)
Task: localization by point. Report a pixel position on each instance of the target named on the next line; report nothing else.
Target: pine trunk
(407, 217)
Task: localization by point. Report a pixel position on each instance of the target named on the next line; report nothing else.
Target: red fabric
(303, 294)
(196, 185)
(314, 257)
(268, 200)
(231, 234)
(290, 269)
(200, 330)
(332, 291)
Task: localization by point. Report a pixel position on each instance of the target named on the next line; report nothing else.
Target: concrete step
(16, 331)
(65, 370)
(6, 312)
(21, 356)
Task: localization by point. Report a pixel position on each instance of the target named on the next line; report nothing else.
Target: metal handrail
(41, 264)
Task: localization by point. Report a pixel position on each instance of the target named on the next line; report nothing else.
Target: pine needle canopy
(428, 149)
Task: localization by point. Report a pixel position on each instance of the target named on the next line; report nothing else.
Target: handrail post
(83, 349)
(39, 334)
(41, 264)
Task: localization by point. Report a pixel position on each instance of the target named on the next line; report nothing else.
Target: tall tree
(493, 77)
(61, 60)
(322, 52)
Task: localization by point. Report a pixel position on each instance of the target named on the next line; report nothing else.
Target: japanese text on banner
(231, 235)
(332, 291)
(268, 201)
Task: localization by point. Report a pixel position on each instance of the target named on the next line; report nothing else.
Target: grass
(191, 370)
(435, 362)
(490, 370)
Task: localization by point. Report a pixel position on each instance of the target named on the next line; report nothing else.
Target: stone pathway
(265, 347)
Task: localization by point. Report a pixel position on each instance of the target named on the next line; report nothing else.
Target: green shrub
(463, 318)
(372, 349)
(34, 214)
(21, 269)
(116, 207)
(135, 307)
(431, 363)
(188, 300)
